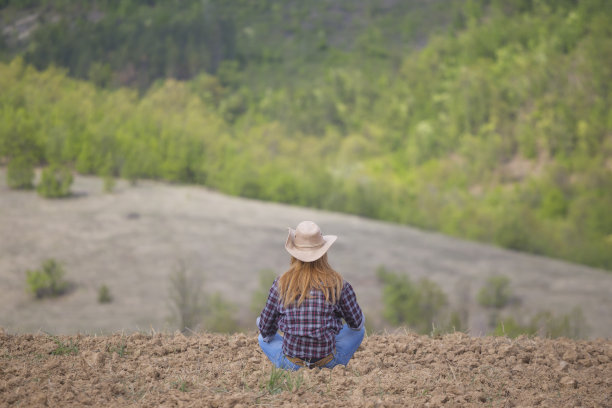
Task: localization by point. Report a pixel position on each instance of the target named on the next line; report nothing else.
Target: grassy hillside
(496, 129)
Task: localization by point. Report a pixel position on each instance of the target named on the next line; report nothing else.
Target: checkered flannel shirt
(309, 329)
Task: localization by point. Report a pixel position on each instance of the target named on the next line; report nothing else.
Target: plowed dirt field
(393, 369)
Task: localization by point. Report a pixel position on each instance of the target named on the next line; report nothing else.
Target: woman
(307, 303)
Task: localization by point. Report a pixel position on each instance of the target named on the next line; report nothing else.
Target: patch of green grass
(180, 385)
(63, 349)
(281, 380)
(120, 349)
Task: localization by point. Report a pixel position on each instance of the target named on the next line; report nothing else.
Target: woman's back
(308, 303)
(310, 328)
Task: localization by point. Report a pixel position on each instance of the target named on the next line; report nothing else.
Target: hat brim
(308, 254)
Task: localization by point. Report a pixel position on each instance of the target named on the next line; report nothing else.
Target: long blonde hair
(301, 277)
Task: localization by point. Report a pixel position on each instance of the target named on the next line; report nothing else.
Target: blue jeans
(347, 342)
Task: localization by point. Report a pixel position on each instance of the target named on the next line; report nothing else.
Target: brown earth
(393, 369)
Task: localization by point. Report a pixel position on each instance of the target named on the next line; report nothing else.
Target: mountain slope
(496, 130)
(134, 239)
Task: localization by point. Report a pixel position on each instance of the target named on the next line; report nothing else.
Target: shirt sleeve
(351, 312)
(267, 323)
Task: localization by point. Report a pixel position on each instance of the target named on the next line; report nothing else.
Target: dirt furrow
(230, 371)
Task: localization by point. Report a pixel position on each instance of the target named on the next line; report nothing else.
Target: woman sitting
(307, 303)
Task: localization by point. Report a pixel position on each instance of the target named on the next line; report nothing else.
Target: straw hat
(307, 243)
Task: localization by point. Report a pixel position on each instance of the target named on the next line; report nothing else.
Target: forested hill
(134, 43)
(485, 119)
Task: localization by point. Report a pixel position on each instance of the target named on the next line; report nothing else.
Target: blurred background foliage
(484, 119)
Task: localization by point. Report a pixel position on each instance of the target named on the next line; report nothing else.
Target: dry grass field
(134, 238)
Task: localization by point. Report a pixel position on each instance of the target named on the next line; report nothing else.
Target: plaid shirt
(309, 329)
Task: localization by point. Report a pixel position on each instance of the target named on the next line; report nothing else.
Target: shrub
(62, 348)
(569, 325)
(419, 305)
(219, 315)
(456, 322)
(109, 184)
(47, 282)
(509, 327)
(104, 295)
(545, 324)
(191, 308)
(260, 296)
(55, 182)
(186, 299)
(495, 293)
(20, 173)
(107, 174)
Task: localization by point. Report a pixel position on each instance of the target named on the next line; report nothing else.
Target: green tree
(495, 128)
(86, 160)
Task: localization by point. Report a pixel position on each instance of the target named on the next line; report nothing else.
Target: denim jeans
(347, 342)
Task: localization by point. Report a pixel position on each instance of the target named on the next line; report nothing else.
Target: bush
(220, 315)
(509, 327)
(20, 173)
(104, 295)
(545, 324)
(191, 308)
(260, 296)
(108, 184)
(569, 325)
(495, 293)
(55, 182)
(108, 177)
(48, 282)
(420, 305)
(186, 299)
